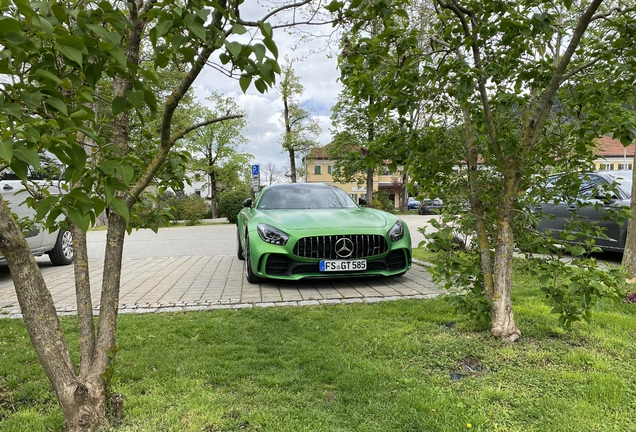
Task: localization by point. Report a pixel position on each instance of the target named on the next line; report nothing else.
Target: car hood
(327, 218)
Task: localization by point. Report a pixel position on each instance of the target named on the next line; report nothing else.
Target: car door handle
(573, 208)
(7, 187)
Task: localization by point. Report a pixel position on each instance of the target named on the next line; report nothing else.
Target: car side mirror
(247, 203)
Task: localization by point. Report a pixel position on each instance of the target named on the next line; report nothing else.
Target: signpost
(256, 178)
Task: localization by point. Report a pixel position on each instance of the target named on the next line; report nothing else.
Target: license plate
(342, 265)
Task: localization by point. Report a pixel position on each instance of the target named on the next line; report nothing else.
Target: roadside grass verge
(409, 365)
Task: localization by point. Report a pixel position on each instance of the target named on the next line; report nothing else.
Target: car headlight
(272, 235)
(397, 232)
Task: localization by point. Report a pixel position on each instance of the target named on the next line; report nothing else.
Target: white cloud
(318, 74)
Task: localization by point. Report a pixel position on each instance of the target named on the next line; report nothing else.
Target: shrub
(191, 208)
(194, 209)
(381, 201)
(231, 203)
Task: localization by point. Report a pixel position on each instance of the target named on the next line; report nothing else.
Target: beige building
(612, 155)
(319, 169)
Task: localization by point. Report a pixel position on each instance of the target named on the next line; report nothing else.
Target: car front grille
(324, 247)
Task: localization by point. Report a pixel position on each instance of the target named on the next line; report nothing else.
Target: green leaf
(119, 105)
(577, 250)
(71, 53)
(163, 27)
(108, 166)
(334, 6)
(136, 98)
(81, 220)
(111, 37)
(120, 208)
(259, 50)
(46, 25)
(126, 172)
(27, 155)
(58, 104)
(13, 109)
(6, 150)
(19, 168)
(244, 82)
(260, 85)
(78, 156)
(44, 207)
(48, 75)
(119, 55)
(9, 25)
(269, 43)
(266, 29)
(239, 29)
(234, 48)
(198, 30)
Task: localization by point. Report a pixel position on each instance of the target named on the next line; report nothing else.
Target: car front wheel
(249, 274)
(62, 252)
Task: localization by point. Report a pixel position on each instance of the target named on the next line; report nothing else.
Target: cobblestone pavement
(184, 283)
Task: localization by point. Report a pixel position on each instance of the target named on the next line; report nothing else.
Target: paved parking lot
(204, 281)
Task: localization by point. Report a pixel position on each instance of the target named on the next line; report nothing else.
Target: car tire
(239, 252)
(62, 252)
(249, 274)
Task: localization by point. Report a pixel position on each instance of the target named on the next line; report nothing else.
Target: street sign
(255, 170)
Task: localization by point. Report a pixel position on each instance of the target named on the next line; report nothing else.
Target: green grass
(384, 367)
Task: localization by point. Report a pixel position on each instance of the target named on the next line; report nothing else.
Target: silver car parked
(57, 244)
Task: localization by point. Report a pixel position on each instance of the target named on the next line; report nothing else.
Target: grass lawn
(396, 366)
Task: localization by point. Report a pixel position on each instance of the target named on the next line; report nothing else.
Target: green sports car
(311, 230)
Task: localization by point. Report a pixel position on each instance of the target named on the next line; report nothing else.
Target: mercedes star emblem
(344, 247)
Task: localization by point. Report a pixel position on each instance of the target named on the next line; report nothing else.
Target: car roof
(296, 185)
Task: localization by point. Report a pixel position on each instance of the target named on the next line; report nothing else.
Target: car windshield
(305, 197)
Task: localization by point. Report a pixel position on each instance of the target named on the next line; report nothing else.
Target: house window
(624, 166)
(606, 166)
(197, 192)
(329, 169)
(354, 196)
(318, 169)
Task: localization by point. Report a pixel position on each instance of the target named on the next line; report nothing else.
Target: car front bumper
(283, 262)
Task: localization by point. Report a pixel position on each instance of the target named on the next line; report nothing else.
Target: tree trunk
(84, 405)
(292, 164)
(404, 197)
(501, 316)
(629, 255)
(82, 399)
(213, 195)
(369, 187)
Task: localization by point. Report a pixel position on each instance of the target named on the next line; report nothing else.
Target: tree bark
(629, 254)
(213, 195)
(501, 316)
(81, 398)
(292, 164)
(370, 187)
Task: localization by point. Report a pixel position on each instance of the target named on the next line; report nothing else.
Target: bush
(194, 209)
(381, 201)
(191, 208)
(231, 203)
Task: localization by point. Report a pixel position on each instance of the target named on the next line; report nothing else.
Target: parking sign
(255, 170)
